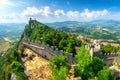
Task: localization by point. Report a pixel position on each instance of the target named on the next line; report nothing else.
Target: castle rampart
(45, 50)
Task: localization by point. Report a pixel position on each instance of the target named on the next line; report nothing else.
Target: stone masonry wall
(45, 50)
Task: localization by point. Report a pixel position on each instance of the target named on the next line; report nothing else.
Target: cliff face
(36, 67)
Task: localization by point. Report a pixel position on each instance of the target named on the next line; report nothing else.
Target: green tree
(59, 67)
(93, 68)
(18, 69)
(62, 43)
(83, 60)
(87, 68)
(9, 58)
(58, 61)
(60, 74)
(105, 74)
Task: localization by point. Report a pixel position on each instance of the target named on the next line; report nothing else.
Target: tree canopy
(88, 68)
(10, 63)
(59, 68)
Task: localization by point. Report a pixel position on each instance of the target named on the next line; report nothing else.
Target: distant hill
(10, 34)
(65, 23)
(11, 29)
(105, 22)
(76, 23)
(99, 29)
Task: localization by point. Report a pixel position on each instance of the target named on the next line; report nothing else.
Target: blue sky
(19, 11)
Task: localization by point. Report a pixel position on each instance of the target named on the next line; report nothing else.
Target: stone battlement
(95, 51)
(45, 50)
(106, 55)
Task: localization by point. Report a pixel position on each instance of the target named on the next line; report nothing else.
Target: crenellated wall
(45, 50)
(97, 53)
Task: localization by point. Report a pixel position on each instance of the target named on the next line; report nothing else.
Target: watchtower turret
(31, 23)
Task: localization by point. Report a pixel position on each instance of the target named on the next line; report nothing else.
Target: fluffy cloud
(73, 14)
(93, 14)
(46, 14)
(31, 11)
(59, 13)
(46, 11)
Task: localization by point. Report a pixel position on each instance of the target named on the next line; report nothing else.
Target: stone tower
(95, 48)
(91, 51)
(96, 44)
(31, 23)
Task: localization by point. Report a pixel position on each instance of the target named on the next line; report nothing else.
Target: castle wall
(45, 50)
(95, 51)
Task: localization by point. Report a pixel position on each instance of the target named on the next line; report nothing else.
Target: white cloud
(73, 14)
(45, 11)
(32, 11)
(94, 14)
(46, 14)
(59, 12)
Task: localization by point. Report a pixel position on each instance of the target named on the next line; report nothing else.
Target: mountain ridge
(65, 23)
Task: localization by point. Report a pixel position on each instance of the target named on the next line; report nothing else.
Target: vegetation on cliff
(41, 33)
(10, 63)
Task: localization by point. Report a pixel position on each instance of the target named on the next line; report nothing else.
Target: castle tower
(30, 22)
(96, 43)
(91, 51)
